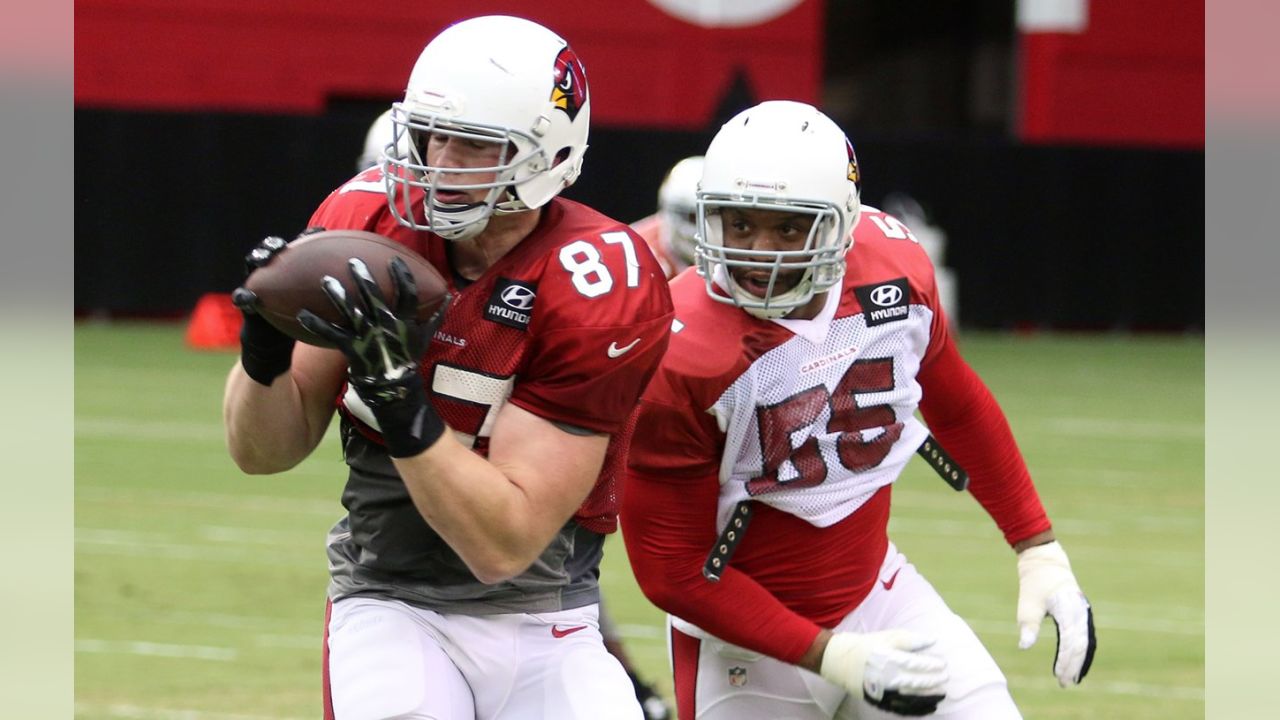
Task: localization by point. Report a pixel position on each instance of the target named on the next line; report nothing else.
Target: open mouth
(757, 282)
(452, 197)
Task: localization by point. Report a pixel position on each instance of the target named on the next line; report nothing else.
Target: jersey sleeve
(358, 204)
(674, 442)
(963, 415)
(601, 327)
(668, 517)
(575, 379)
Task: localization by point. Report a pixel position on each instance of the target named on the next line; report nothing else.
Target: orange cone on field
(215, 323)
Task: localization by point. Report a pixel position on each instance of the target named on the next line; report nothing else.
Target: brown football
(292, 280)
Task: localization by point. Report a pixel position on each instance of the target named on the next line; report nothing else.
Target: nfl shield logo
(737, 676)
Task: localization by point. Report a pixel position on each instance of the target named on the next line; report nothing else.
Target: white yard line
(906, 523)
(152, 649)
(121, 542)
(239, 502)
(231, 621)
(110, 428)
(1115, 428)
(1190, 614)
(1162, 692)
(258, 536)
(1101, 621)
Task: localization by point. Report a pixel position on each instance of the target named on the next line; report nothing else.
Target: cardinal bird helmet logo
(854, 175)
(569, 93)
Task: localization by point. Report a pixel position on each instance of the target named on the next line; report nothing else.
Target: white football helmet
(781, 156)
(493, 79)
(678, 208)
(379, 138)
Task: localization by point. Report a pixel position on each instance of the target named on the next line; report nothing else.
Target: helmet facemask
(780, 157)
(820, 259)
(455, 221)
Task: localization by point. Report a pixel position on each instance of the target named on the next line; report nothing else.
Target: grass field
(200, 591)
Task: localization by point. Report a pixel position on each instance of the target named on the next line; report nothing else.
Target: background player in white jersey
(670, 230)
(377, 138)
(463, 577)
(757, 500)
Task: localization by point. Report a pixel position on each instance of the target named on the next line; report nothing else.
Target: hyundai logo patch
(884, 302)
(518, 297)
(511, 303)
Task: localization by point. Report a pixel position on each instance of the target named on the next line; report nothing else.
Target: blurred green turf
(200, 591)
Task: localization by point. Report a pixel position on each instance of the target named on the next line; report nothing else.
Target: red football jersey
(812, 421)
(569, 325)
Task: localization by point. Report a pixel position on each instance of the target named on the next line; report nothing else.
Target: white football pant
(389, 660)
(731, 683)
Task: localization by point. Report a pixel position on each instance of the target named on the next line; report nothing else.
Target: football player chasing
(756, 505)
(483, 447)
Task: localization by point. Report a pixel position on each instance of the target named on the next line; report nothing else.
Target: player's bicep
(555, 469)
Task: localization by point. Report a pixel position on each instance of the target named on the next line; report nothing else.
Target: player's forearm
(267, 430)
(736, 609)
(483, 514)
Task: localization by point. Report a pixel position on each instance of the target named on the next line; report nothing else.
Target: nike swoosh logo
(888, 584)
(615, 351)
(558, 633)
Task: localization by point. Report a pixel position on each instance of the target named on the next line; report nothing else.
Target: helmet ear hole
(562, 155)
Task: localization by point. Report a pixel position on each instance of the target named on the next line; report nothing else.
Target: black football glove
(265, 352)
(383, 348)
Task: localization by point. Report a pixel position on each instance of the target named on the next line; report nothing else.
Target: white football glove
(888, 668)
(1046, 586)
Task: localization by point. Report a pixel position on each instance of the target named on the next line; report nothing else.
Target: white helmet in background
(378, 138)
(788, 157)
(677, 206)
(494, 79)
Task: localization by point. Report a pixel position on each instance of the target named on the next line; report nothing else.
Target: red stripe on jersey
(684, 664)
(324, 663)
